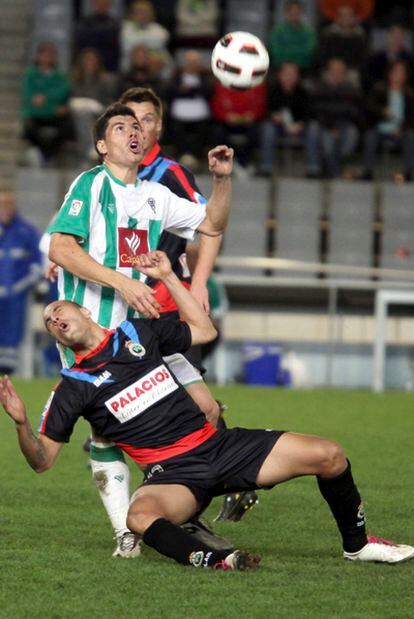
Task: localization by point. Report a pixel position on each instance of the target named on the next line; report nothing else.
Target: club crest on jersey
(151, 204)
(75, 208)
(137, 350)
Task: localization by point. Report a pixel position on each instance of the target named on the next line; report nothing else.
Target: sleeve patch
(75, 208)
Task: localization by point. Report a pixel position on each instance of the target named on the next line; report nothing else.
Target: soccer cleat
(128, 546)
(198, 529)
(86, 445)
(381, 551)
(236, 505)
(239, 560)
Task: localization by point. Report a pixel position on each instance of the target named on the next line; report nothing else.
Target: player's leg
(111, 475)
(156, 512)
(235, 505)
(295, 455)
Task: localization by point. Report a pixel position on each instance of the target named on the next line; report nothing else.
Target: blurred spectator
(101, 31)
(20, 269)
(140, 28)
(45, 94)
(344, 39)
(397, 49)
(197, 23)
(93, 88)
(391, 13)
(390, 115)
(236, 113)
(332, 135)
(363, 9)
(144, 71)
(189, 109)
(292, 40)
(288, 108)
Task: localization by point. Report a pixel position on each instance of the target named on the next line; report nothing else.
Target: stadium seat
(397, 247)
(52, 22)
(38, 195)
(246, 232)
(350, 236)
(298, 209)
(117, 9)
(247, 15)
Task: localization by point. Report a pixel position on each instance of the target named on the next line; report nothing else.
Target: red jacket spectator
(233, 106)
(363, 8)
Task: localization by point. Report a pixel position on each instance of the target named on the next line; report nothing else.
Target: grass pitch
(56, 545)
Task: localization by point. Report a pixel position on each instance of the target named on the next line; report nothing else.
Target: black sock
(172, 541)
(346, 505)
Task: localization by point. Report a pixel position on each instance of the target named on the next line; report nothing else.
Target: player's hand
(12, 403)
(220, 161)
(200, 293)
(51, 272)
(139, 296)
(155, 264)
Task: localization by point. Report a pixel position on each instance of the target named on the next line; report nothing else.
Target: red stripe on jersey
(176, 169)
(184, 444)
(165, 299)
(95, 351)
(150, 157)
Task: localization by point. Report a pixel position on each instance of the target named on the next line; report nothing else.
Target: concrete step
(10, 128)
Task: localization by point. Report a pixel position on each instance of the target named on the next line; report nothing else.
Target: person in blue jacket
(20, 269)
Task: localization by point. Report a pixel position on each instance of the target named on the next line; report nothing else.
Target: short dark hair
(142, 95)
(101, 123)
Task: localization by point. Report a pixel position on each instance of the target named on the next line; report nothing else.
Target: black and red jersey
(158, 168)
(129, 395)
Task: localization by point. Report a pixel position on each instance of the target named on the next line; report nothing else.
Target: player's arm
(156, 265)
(220, 163)
(68, 254)
(39, 451)
(201, 260)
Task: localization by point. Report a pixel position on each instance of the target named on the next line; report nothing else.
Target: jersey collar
(150, 156)
(115, 179)
(79, 358)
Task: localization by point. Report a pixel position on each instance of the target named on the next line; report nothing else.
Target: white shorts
(184, 371)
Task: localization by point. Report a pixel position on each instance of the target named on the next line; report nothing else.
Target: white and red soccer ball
(240, 60)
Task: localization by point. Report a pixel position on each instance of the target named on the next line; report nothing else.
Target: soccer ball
(240, 60)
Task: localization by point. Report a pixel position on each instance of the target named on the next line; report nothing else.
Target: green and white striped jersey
(115, 223)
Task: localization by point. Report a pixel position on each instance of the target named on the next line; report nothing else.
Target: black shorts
(227, 462)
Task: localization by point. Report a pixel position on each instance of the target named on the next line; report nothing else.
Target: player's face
(68, 323)
(123, 142)
(150, 121)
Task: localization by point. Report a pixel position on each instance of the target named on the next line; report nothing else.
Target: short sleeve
(173, 334)
(74, 215)
(181, 217)
(60, 413)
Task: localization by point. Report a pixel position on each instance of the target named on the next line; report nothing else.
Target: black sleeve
(173, 334)
(61, 412)
(181, 181)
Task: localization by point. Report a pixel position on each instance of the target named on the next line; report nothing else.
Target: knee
(140, 516)
(332, 459)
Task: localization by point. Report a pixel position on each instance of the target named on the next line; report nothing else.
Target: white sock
(111, 475)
